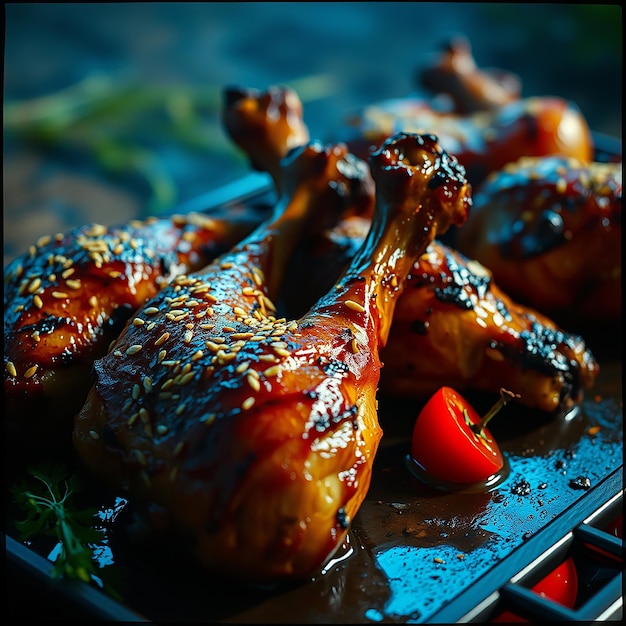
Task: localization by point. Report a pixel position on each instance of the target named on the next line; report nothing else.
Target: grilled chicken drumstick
(456, 75)
(69, 297)
(483, 141)
(452, 325)
(550, 230)
(255, 435)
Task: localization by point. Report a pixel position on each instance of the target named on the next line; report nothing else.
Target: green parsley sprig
(48, 500)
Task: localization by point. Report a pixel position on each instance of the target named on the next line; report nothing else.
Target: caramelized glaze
(255, 436)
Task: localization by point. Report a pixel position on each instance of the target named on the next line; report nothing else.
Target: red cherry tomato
(560, 585)
(445, 445)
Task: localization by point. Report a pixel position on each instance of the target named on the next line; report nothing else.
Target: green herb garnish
(47, 500)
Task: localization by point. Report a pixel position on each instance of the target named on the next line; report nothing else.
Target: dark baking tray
(414, 554)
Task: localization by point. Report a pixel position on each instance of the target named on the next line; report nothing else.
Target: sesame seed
(257, 276)
(253, 382)
(271, 371)
(38, 302)
(224, 357)
(180, 409)
(188, 336)
(133, 418)
(162, 429)
(134, 349)
(34, 285)
(247, 403)
(141, 457)
(242, 367)
(73, 283)
(138, 322)
(93, 301)
(355, 306)
(282, 352)
(268, 358)
(10, 367)
(151, 310)
(94, 435)
(179, 448)
(30, 372)
(354, 346)
(198, 354)
(186, 378)
(147, 384)
(60, 295)
(136, 391)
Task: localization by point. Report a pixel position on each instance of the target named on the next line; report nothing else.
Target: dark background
(112, 109)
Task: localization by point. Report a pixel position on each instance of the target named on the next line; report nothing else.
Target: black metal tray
(414, 554)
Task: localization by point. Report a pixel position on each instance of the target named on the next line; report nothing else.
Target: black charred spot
(119, 316)
(46, 325)
(503, 310)
(439, 179)
(346, 334)
(334, 367)
(354, 279)
(109, 437)
(419, 327)
(453, 286)
(528, 239)
(342, 518)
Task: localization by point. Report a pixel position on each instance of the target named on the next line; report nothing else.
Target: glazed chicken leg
(70, 296)
(452, 325)
(550, 230)
(256, 435)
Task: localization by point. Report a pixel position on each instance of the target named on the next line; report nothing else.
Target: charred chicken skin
(254, 435)
(483, 141)
(452, 325)
(550, 230)
(70, 296)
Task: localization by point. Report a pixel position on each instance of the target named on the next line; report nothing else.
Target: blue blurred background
(111, 110)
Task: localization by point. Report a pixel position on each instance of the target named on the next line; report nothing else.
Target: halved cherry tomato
(560, 585)
(450, 441)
